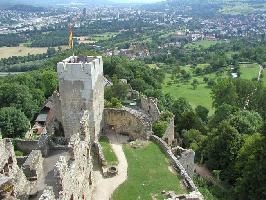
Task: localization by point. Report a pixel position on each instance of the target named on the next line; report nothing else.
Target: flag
(70, 39)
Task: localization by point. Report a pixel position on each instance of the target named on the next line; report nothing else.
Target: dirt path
(106, 186)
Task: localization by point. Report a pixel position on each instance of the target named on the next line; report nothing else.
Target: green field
(203, 43)
(108, 151)
(249, 71)
(104, 36)
(264, 77)
(148, 175)
(242, 8)
(199, 96)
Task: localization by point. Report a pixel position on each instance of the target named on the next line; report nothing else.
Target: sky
(136, 1)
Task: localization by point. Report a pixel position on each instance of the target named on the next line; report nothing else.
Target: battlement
(80, 67)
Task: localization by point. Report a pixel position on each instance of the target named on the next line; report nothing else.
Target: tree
(189, 120)
(202, 112)
(13, 122)
(50, 81)
(224, 92)
(195, 84)
(246, 122)
(118, 90)
(193, 139)
(251, 167)
(18, 96)
(222, 148)
(223, 112)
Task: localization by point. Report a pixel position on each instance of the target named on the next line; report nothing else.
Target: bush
(114, 103)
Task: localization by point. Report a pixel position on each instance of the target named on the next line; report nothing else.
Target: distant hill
(54, 2)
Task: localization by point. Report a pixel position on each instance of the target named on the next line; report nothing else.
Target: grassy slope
(108, 151)
(148, 175)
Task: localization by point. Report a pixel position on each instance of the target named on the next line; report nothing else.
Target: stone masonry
(13, 182)
(81, 87)
(74, 178)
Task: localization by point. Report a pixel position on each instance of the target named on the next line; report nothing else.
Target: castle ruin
(59, 165)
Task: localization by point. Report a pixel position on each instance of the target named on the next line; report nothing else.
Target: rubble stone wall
(10, 169)
(73, 176)
(99, 151)
(127, 121)
(169, 135)
(175, 162)
(75, 179)
(149, 105)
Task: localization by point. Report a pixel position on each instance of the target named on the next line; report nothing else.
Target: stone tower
(81, 87)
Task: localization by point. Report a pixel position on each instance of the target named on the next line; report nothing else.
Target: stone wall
(26, 146)
(33, 169)
(169, 135)
(74, 180)
(127, 121)
(73, 176)
(9, 169)
(175, 162)
(186, 157)
(99, 153)
(149, 105)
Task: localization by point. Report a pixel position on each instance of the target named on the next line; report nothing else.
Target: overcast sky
(136, 1)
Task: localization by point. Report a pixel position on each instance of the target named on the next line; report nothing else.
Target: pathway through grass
(148, 175)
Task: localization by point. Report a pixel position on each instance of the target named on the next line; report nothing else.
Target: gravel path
(106, 186)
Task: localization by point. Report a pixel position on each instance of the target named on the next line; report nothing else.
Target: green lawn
(264, 77)
(200, 96)
(237, 9)
(104, 36)
(108, 151)
(148, 175)
(203, 43)
(249, 71)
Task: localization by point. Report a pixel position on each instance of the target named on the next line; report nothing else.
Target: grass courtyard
(108, 151)
(148, 175)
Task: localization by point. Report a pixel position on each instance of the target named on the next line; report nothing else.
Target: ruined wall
(99, 151)
(55, 113)
(186, 157)
(33, 169)
(169, 135)
(75, 179)
(175, 162)
(81, 87)
(127, 121)
(9, 169)
(149, 105)
(26, 146)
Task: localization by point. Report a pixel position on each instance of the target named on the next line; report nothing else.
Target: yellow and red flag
(70, 39)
